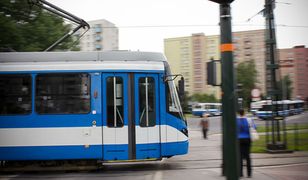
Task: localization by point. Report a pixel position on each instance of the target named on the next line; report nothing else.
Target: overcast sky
(144, 24)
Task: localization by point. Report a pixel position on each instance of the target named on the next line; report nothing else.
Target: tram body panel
(120, 118)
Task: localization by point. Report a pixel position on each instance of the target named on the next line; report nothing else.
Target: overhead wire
(200, 25)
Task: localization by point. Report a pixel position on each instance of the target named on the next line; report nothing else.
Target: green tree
(184, 104)
(246, 78)
(284, 86)
(26, 27)
(203, 98)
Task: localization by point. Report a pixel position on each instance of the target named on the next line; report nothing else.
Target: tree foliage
(26, 27)
(203, 98)
(246, 80)
(285, 87)
(184, 103)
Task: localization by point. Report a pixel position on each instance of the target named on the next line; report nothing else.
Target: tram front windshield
(173, 105)
(172, 99)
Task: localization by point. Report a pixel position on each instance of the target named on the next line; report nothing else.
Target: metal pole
(272, 76)
(146, 102)
(114, 101)
(271, 51)
(230, 147)
(296, 137)
(284, 132)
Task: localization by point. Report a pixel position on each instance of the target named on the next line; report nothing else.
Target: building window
(98, 38)
(98, 47)
(15, 94)
(98, 28)
(67, 93)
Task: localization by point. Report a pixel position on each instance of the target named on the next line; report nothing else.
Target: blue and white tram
(213, 109)
(297, 107)
(116, 105)
(263, 109)
(256, 106)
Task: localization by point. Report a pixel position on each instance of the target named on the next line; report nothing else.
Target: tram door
(115, 116)
(147, 120)
(130, 116)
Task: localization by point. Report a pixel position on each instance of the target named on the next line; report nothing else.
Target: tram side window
(115, 105)
(65, 93)
(147, 102)
(15, 94)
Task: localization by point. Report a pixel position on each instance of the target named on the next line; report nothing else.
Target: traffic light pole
(230, 155)
(230, 145)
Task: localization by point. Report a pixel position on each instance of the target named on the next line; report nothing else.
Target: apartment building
(294, 62)
(188, 56)
(250, 46)
(103, 35)
(286, 65)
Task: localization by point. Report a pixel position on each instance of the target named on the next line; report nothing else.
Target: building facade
(198, 65)
(103, 35)
(190, 58)
(178, 51)
(250, 46)
(286, 65)
(294, 62)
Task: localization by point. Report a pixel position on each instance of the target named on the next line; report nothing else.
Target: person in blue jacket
(244, 141)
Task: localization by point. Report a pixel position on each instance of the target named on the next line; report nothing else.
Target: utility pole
(271, 56)
(277, 144)
(229, 102)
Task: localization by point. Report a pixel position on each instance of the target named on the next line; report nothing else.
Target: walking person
(204, 123)
(244, 142)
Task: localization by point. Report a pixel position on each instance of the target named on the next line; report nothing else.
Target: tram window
(15, 94)
(147, 116)
(266, 108)
(115, 105)
(197, 106)
(173, 102)
(65, 93)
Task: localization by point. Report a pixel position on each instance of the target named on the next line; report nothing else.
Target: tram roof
(85, 61)
(80, 56)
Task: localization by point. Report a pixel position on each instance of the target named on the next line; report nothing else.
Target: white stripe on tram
(64, 136)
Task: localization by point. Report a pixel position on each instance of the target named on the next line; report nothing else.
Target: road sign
(255, 93)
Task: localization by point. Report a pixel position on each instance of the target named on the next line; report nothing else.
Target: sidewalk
(286, 166)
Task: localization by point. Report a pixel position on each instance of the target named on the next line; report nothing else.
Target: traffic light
(181, 85)
(210, 72)
(222, 1)
(213, 70)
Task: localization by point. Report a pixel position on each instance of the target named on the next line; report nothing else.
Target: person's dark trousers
(245, 154)
(204, 133)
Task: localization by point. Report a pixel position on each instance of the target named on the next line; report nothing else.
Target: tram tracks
(165, 165)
